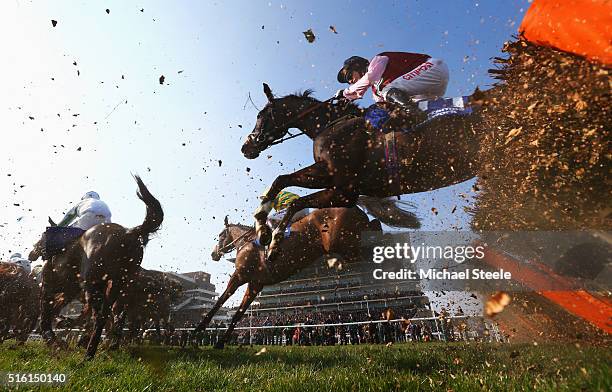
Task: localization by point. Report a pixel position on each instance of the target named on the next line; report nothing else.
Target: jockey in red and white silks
(394, 77)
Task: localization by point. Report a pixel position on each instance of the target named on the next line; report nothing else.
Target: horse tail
(154, 216)
(388, 212)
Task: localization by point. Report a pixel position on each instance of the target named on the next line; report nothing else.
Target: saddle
(58, 239)
(388, 117)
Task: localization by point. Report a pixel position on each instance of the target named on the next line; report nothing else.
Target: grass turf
(401, 367)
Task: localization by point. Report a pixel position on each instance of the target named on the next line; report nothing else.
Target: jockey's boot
(411, 115)
(397, 96)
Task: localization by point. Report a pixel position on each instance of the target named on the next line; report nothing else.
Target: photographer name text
(436, 274)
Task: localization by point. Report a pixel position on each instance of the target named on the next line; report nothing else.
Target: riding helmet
(353, 63)
(91, 195)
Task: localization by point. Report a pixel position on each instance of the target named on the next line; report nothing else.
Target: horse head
(224, 244)
(233, 236)
(273, 122)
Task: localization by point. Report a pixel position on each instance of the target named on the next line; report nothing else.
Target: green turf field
(401, 367)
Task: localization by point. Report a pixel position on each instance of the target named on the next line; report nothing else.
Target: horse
(148, 297)
(321, 233)
(19, 296)
(351, 161)
(103, 259)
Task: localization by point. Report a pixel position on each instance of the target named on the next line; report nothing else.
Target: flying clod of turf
(547, 153)
(399, 367)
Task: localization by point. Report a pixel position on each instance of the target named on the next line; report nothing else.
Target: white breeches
(426, 82)
(274, 219)
(89, 220)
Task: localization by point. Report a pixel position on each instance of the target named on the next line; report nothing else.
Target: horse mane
(245, 227)
(347, 106)
(303, 94)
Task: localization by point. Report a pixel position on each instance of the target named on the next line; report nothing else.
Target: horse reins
(228, 246)
(297, 117)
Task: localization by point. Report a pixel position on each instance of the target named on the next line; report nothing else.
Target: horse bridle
(229, 246)
(297, 117)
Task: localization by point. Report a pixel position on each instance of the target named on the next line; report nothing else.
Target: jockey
(89, 212)
(20, 261)
(396, 77)
(280, 204)
(36, 273)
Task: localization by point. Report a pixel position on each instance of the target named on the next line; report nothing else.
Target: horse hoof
(219, 346)
(265, 235)
(33, 255)
(273, 252)
(261, 215)
(272, 255)
(277, 236)
(58, 345)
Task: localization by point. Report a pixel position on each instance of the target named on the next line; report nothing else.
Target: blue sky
(173, 135)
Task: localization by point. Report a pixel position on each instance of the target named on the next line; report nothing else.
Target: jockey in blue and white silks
(90, 211)
(20, 261)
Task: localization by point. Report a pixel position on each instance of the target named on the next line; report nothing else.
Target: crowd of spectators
(330, 333)
(310, 328)
(377, 325)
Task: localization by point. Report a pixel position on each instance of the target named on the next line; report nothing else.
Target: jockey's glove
(339, 94)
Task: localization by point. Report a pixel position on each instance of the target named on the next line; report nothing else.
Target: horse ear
(268, 92)
(226, 222)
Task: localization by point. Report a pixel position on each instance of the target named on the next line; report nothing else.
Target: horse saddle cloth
(58, 239)
(377, 116)
(446, 107)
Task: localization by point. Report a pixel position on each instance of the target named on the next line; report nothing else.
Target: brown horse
(350, 161)
(103, 259)
(19, 297)
(148, 299)
(323, 232)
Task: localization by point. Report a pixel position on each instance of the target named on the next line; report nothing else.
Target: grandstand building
(327, 286)
(321, 289)
(198, 297)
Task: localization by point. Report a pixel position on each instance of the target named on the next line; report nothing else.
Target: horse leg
(85, 323)
(134, 330)
(101, 299)
(48, 307)
(28, 325)
(313, 177)
(323, 199)
(4, 328)
(118, 323)
(249, 296)
(22, 324)
(375, 225)
(157, 331)
(232, 286)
